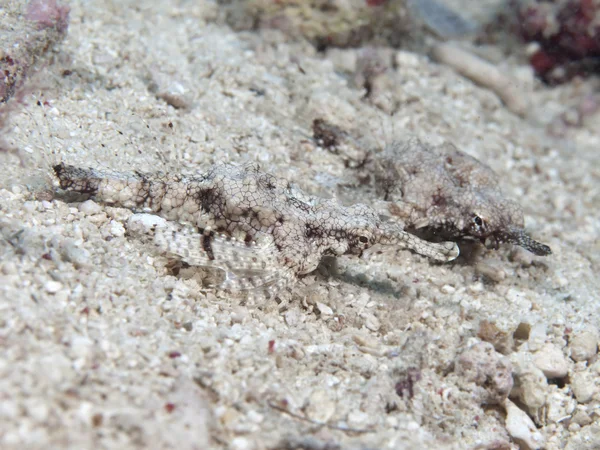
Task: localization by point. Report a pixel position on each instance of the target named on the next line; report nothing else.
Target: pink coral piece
(48, 14)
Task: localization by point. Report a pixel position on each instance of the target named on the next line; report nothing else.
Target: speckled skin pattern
(257, 228)
(446, 191)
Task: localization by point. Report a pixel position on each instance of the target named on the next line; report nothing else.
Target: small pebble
(241, 443)
(38, 410)
(583, 386)
(98, 219)
(116, 229)
(173, 92)
(537, 337)
(490, 371)
(90, 207)
(239, 315)
(581, 418)
(531, 385)
(447, 289)
(550, 360)
(584, 345)
(324, 309)
(9, 268)
(559, 405)
(358, 419)
(476, 288)
(73, 254)
(81, 346)
(292, 317)
(52, 287)
(365, 341)
(559, 281)
(520, 427)
(30, 206)
(371, 322)
(320, 406)
(406, 59)
(595, 367)
(500, 338)
(255, 416)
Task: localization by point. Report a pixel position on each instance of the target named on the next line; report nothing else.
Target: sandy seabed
(102, 347)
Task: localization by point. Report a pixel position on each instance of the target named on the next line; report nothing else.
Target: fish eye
(478, 225)
(363, 239)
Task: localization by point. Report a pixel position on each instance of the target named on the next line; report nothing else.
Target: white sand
(101, 348)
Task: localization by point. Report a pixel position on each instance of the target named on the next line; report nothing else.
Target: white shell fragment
(521, 428)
